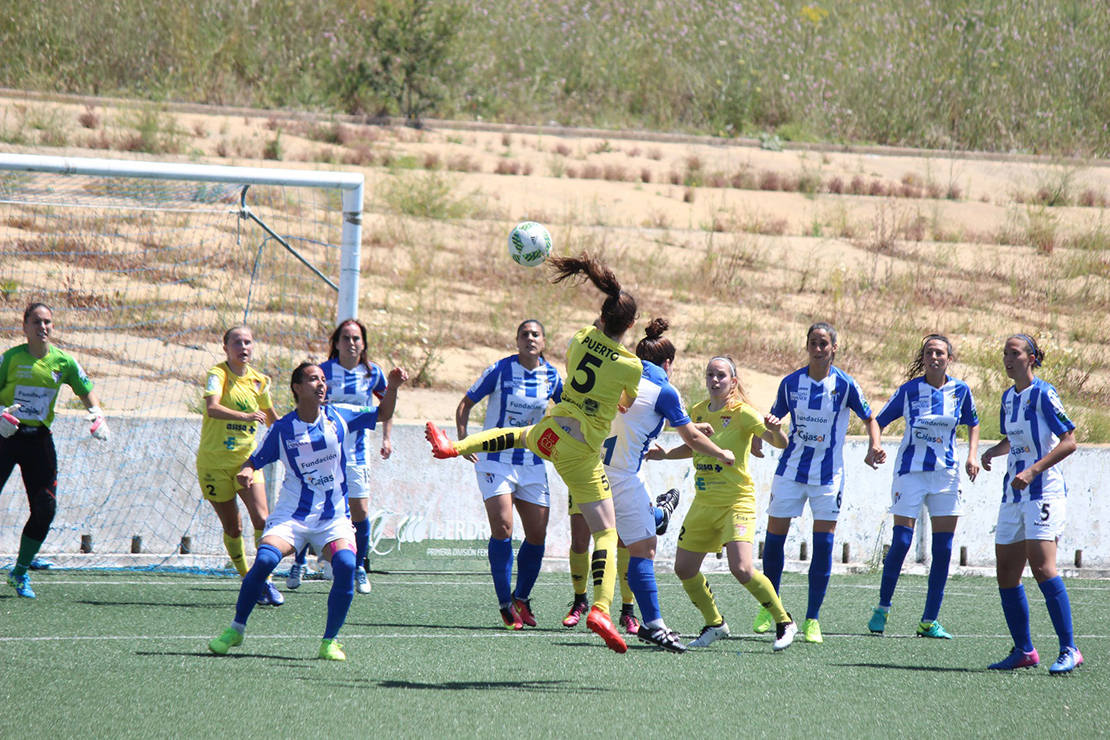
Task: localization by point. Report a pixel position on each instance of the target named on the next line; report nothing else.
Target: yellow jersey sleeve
(734, 426)
(598, 370)
(214, 383)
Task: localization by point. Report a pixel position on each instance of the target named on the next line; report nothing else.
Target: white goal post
(146, 264)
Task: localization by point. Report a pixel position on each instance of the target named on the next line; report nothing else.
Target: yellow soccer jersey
(598, 369)
(718, 484)
(227, 444)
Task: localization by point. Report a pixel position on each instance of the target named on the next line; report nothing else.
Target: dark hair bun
(656, 328)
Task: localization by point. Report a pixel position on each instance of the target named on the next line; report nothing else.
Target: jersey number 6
(586, 366)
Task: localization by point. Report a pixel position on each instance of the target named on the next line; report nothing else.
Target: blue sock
(774, 558)
(1059, 609)
(820, 570)
(641, 579)
(265, 561)
(528, 561)
(342, 591)
(1016, 609)
(938, 575)
(362, 541)
(501, 566)
(301, 557)
(658, 514)
(892, 566)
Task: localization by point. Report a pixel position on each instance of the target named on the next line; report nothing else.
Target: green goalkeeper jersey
(33, 383)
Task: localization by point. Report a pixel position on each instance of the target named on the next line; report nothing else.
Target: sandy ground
(561, 181)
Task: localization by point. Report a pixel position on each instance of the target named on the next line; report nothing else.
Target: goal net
(146, 265)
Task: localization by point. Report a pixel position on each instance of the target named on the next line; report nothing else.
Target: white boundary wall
(420, 499)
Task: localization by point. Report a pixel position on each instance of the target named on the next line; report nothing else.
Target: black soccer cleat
(667, 502)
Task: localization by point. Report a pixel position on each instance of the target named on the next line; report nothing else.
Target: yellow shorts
(709, 528)
(576, 463)
(218, 485)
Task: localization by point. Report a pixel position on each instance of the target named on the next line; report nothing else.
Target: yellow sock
(492, 440)
(234, 547)
(579, 570)
(697, 588)
(622, 571)
(604, 566)
(760, 587)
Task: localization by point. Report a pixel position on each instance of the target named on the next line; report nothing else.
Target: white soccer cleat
(709, 635)
(784, 635)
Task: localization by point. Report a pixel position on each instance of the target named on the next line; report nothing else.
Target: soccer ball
(529, 244)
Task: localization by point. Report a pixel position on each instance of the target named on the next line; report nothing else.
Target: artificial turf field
(116, 654)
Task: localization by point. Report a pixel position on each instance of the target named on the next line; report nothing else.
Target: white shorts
(358, 481)
(938, 490)
(522, 482)
(1042, 519)
(788, 499)
(632, 502)
(298, 534)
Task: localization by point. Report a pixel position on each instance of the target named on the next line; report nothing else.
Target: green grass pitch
(121, 654)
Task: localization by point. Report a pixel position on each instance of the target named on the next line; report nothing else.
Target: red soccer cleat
(442, 448)
(524, 609)
(511, 618)
(601, 625)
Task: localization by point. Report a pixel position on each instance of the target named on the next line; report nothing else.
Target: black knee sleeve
(43, 505)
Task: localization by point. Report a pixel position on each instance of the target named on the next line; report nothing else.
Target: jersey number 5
(587, 366)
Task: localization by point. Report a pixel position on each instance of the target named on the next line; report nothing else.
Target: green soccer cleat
(229, 639)
(933, 629)
(763, 621)
(877, 623)
(22, 585)
(331, 650)
(811, 630)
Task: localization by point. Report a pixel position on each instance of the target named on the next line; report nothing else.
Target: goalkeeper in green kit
(30, 376)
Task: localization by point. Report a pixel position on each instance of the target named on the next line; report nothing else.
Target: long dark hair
(619, 309)
(916, 368)
(655, 347)
(333, 352)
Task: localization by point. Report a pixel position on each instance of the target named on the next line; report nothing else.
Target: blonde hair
(736, 394)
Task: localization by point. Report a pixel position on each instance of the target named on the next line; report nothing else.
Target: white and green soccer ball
(529, 244)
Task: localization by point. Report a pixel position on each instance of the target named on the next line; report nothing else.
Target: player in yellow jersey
(601, 375)
(31, 375)
(236, 403)
(723, 512)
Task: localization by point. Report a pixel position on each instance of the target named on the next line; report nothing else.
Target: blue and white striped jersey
(932, 415)
(634, 431)
(1033, 421)
(358, 387)
(315, 459)
(517, 398)
(814, 454)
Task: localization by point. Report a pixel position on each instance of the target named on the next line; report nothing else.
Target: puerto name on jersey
(358, 387)
(814, 454)
(1033, 421)
(932, 415)
(517, 398)
(315, 459)
(634, 431)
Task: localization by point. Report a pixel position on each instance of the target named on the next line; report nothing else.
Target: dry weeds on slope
(741, 248)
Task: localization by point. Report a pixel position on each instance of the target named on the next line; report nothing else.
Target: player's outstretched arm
(98, 425)
(695, 441)
(397, 378)
(774, 434)
(876, 456)
(462, 421)
(998, 450)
